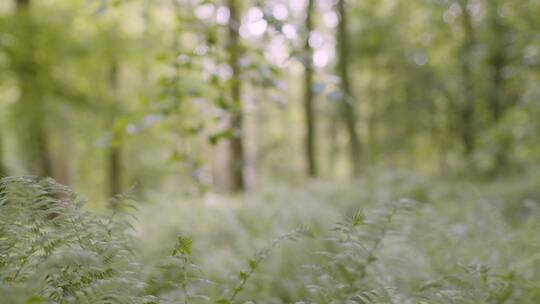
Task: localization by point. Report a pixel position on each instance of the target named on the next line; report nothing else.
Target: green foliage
(353, 249)
(461, 244)
(254, 262)
(54, 252)
(148, 91)
(183, 246)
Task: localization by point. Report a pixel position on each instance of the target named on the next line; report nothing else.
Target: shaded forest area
(338, 151)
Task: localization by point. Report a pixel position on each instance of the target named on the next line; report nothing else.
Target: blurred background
(236, 95)
(234, 121)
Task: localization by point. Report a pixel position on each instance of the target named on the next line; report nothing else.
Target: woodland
(269, 151)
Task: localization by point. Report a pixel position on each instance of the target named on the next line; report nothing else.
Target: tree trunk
(498, 59)
(114, 153)
(468, 133)
(3, 170)
(23, 3)
(31, 109)
(236, 157)
(114, 160)
(333, 144)
(347, 102)
(310, 136)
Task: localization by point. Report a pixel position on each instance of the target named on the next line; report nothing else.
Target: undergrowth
(403, 251)
(54, 252)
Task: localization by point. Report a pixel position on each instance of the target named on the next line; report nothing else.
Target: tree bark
(114, 153)
(236, 144)
(23, 3)
(309, 111)
(468, 132)
(498, 60)
(3, 170)
(333, 145)
(31, 104)
(347, 102)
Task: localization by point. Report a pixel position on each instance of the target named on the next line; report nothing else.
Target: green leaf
(253, 263)
(183, 246)
(34, 300)
(216, 137)
(357, 218)
(243, 275)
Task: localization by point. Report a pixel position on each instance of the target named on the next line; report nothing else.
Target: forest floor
(454, 224)
(390, 238)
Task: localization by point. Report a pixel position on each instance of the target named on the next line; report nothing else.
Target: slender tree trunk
(333, 146)
(440, 136)
(310, 136)
(373, 119)
(498, 60)
(115, 169)
(31, 108)
(236, 161)
(347, 103)
(23, 3)
(114, 153)
(176, 51)
(468, 133)
(3, 170)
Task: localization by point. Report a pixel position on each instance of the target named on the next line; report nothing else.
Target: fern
(473, 283)
(54, 252)
(253, 263)
(352, 249)
(182, 251)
